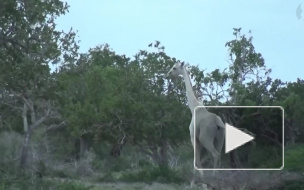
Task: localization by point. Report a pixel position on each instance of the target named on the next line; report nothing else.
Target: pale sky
(193, 31)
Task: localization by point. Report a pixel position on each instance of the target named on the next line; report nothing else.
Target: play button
(246, 137)
(235, 138)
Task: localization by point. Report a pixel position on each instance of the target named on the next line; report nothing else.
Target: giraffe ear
(182, 64)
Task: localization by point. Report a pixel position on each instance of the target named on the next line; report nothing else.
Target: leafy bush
(264, 157)
(153, 174)
(10, 144)
(144, 163)
(72, 186)
(59, 173)
(294, 158)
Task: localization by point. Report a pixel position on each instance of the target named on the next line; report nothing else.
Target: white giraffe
(209, 129)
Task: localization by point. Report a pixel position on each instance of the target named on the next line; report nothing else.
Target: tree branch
(42, 119)
(275, 141)
(53, 127)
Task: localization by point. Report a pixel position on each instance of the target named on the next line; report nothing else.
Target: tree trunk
(83, 147)
(290, 135)
(27, 137)
(28, 129)
(115, 150)
(24, 153)
(164, 153)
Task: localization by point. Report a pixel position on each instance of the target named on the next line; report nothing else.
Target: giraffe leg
(208, 144)
(198, 164)
(220, 138)
(191, 128)
(198, 150)
(205, 158)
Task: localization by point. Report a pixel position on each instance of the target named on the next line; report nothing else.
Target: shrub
(153, 174)
(72, 186)
(294, 158)
(264, 157)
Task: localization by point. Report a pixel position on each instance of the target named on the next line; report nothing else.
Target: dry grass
(222, 180)
(122, 185)
(237, 180)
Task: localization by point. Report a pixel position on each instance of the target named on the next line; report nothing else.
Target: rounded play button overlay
(246, 137)
(235, 138)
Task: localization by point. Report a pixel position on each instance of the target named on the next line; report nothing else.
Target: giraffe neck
(192, 100)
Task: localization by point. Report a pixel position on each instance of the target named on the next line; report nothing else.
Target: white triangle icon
(235, 138)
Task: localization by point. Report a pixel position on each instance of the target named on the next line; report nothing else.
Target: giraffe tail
(219, 122)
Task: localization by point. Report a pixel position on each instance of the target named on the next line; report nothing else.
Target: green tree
(111, 98)
(29, 42)
(289, 97)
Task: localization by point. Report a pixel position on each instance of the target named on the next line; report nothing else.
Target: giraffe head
(177, 69)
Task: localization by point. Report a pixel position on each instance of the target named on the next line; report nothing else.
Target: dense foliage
(100, 101)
